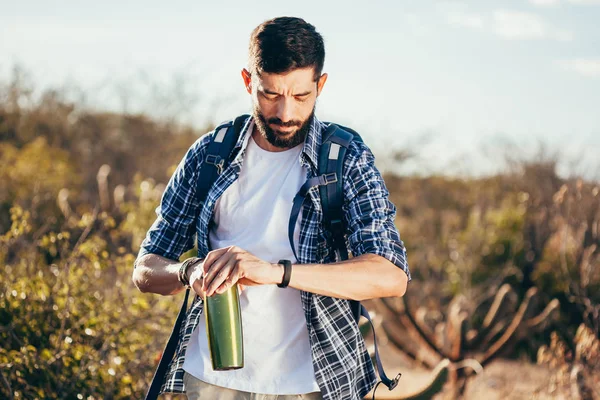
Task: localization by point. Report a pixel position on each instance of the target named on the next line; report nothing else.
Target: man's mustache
(279, 122)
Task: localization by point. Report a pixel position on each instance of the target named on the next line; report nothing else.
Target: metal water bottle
(224, 330)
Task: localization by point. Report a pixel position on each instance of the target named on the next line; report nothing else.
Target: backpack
(334, 144)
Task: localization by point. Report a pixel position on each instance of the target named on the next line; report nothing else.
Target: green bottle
(224, 330)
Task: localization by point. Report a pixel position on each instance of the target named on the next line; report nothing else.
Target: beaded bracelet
(182, 274)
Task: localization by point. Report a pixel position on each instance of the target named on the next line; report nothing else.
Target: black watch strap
(287, 273)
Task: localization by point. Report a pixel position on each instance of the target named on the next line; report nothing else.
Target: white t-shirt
(253, 214)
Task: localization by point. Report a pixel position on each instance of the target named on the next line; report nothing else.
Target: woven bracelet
(182, 275)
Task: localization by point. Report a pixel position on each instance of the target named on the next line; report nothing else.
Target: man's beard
(275, 137)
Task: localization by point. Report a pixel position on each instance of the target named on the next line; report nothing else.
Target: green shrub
(75, 327)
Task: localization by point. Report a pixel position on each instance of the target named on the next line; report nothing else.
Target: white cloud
(583, 66)
(468, 20)
(584, 2)
(414, 23)
(518, 25)
(515, 25)
(563, 36)
(551, 3)
(545, 3)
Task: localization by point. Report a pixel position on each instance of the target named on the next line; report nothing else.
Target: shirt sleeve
(172, 233)
(368, 211)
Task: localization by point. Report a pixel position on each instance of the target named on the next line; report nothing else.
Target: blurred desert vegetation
(503, 266)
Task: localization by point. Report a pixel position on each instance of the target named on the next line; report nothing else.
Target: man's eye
(301, 99)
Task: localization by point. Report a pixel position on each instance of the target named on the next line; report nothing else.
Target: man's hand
(230, 265)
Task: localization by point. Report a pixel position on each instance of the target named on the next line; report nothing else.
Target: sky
(458, 84)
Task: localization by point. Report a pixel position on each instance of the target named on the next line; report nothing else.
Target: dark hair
(285, 43)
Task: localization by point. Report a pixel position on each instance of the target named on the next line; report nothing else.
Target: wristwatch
(287, 273)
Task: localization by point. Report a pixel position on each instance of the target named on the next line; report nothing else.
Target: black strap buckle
(394, 382)
(217, 161)
(326, 179)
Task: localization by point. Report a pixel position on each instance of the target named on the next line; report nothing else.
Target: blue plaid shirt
(342, 365)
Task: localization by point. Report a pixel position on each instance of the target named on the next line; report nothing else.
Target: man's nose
(285, 109)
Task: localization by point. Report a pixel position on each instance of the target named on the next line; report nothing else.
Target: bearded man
(301, 341)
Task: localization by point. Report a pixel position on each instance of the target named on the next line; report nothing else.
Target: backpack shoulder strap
(334, 145)
(218, 155)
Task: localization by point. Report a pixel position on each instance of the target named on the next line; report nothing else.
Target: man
(300, 342)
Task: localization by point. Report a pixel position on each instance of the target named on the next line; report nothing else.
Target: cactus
(502, 327)
(119, 196)
(576, 366)
(102, 178)
(63, 203)
(439, 376)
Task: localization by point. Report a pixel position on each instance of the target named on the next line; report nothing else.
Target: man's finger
(215, 268)
(221, 276)
(230, 281)
(212, 256)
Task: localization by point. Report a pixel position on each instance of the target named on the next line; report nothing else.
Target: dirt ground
(501, 379)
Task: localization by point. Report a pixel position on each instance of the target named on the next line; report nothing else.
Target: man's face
(284, 104)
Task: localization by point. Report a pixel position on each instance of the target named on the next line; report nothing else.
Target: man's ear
(321, 83)
(247, 80)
